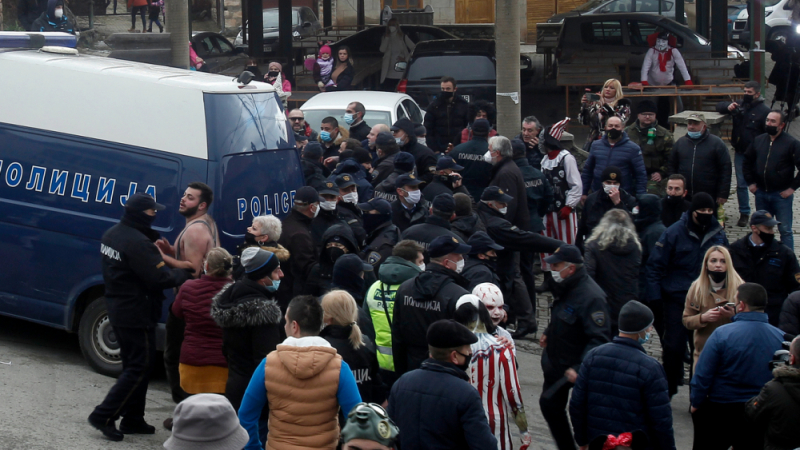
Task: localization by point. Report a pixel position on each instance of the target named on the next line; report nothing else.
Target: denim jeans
(742, 194)
(781, 208)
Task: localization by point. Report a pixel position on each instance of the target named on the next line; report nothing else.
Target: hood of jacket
(396, 270)
(790, 377)
(348, 166)
(244, 303)
(345, 235)
(51, 10)
(280, 251)
(713, 229)
(649, 211)
(465, 224)
(305, 357)
(435, 277)
(311, 167)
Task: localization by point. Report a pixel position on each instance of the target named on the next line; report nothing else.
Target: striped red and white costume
(493, 372)
(562, 172)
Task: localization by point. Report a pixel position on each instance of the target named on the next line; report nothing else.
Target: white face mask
(59, 13)
(328, 206)
(414, 197)
(557, 275)
(608, 188)
(316, 211)
(488, 157)
(661, 44)
(503, 210)
(422, 267)
(459, 266)
(350, 198)
(421, 140)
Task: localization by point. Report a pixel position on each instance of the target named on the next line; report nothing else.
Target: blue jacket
(621, 389)
(734, 364)
(675, 260)
(626, 155)
(437, 409)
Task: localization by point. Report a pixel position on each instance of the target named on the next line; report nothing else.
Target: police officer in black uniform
(443, 210)
(481, 267)
(426, 298)
(447, 180)
(135, 278)
(382, 234)
(578, 323)
(347, 208)
(327, 215)
(492, 210)
(759, 258)
(409, 208)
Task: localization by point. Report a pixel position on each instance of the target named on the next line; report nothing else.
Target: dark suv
(470, 61)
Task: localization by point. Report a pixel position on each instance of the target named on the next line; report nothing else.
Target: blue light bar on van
(22, 39)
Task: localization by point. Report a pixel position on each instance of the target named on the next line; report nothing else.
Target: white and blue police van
(80, 134)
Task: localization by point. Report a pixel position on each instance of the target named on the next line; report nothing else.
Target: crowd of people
(385, 306)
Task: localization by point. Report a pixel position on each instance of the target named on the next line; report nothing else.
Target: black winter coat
(672, 212)
(444, 121)
(650, 228)
(771, 164)
(532, 154)
(363, 362)
(322, 223)
(405, 218)
(706, 164)
(439, 410)
(296, 237)
(424, 233)
(790, 315)
(578, 323)
(313, 173)
(539, 193)
(382, 168)
(616, 270)
(479, 271)
(777, 408)
(466, 226)
(380, 244)
(619, 389)
(320, 277)
(476, 173)
(424, 158)
(749, 121)
(360, 131)
(420, 301)
(135, 275)
(250, 319)
(596, 206)
(351, 214)
(507, 176)
(441, 184)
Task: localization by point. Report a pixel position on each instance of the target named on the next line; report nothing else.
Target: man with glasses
(656, 144)
(299, 125)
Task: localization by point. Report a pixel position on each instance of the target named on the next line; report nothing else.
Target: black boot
(109, 430)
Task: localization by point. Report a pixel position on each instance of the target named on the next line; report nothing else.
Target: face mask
(661, 44)
(250, 238)
(316, 211)
(274, 287)
(704, 219)
(328, 206)
(766, 237)
(59, 13)
(607, 188)
(373, 221)
(718, 277)
(747, 99)
(645, 338)
(694, 134)
(447, 95)
(414, 197)
(771, 130)
(350, 198)
(556, 274)
(421, 140)
(614, 133)
(348, 119)
(399, 141)
(333, 253)
(392, 29)
(252, 69)
(325, 136)
(488, 157)
(465, 366)
(422, 267)
(503, 210)
(459, 266)
(674, 199)
(273, 74)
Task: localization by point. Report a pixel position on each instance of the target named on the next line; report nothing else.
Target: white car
(777, 19)
(382, 107)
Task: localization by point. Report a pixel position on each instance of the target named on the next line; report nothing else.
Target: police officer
(446, 181)
(347, 208)
(656, 144)
(579, 322)
(327, 215)
(405, 134)
(759, 258)
(481, 267)
(426, 298)
(492, 210)
(442, 211)
(135, 277)
(382, 234)
(409, 208)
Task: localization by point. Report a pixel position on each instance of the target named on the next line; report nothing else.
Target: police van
(80, 134)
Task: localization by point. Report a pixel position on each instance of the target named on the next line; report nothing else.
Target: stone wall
(233, 14)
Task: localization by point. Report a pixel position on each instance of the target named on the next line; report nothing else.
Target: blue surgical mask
(348, 118)
(694, 134)
(325, 136)
(274, 287)
(399, 141)
(643, 340)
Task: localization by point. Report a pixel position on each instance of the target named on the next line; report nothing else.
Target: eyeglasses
(295, 119)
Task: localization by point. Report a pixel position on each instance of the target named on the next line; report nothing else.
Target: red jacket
(132, 3)
(466, 134)
(202, 342)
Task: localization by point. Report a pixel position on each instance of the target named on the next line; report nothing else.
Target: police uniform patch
(346, 178)
(432, 169)
(500, 191)
(613, 176)
(599, 317)
(373, 258)
(160, 265)
(455, 240)
(411, 176)
(514, 227)
(375, 173)
(329, 184)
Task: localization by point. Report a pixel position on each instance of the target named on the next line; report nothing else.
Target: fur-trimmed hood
(786, 372)
(244, 303)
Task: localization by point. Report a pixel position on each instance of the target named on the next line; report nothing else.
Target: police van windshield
(239, 123)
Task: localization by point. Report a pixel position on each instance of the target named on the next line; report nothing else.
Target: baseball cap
(496, 194)
(313, 150)
(697, 117)
(345, 181)
(420, 130)
(406, 125)
(376, 204)
(384, 138)
(329, 188)
(404, 161)
(307, 195)
(762, 217)
(444, 203)
(482, 243)
(567, 253)
(142, 202)
(481, 126)
(447, 162)
(445, 245)
(407, 180)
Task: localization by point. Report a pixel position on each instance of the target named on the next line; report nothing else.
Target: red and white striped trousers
(563, 230)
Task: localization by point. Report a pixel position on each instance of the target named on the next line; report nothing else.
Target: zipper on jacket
(694, 157)
(766, 164)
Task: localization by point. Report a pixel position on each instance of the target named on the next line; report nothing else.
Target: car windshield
(435, 67)
(271, 18)
(314, 117)
(237, 123)
(590, 5)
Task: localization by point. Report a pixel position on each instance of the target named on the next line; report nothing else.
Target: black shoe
(136, 427)
(744, 220)
(522, 332)
(110, 431)
(168, 423)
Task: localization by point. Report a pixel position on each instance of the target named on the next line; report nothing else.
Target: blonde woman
(709, 295)
(396, 47)
(340, 318)
(610, 103)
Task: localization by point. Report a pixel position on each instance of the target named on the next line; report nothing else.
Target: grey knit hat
(258, 263)
(635, 317)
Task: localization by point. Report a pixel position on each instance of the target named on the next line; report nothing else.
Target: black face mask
(252, 69)
(718, 277)
(447, 95)
(747, 99)
(674, 199)
(272, 74)
(704, 220)
(250, 238)
(767, 238)
(373, 221)
(614, 133)
(333, 253)
(465, 366)
(771, 130)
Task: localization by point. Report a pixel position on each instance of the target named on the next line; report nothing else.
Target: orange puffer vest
(302, 383)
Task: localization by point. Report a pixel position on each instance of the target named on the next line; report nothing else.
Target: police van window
(238, 123)
(608, 32)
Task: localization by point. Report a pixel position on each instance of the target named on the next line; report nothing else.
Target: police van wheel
(98, 341)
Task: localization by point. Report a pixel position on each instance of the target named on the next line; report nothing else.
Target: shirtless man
(197, 238)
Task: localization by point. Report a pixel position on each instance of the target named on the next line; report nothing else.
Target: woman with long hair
(493, 372)
(709, 295)
(613, 259)
(396, 47)
(340, 316)
(610, 103)
(343, 72)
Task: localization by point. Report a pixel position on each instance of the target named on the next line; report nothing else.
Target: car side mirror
(401, 66)
(306, 24)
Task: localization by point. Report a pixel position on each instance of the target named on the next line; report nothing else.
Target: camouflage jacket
(656, 155)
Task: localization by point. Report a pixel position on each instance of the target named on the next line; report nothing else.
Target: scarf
(663, 59)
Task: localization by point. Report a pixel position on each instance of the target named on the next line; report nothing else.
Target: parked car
(777, 19)
(626, 35)
(365, 46)
(733, 14)
(382, 107)
(219, 54)
(470, 61)
(304, 24)
(620, 6)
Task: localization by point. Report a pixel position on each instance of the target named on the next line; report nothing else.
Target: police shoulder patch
(432, 169)
(599, 317)
(373, 258)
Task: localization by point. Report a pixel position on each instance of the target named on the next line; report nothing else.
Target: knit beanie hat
(635, 317)
(325, 49)
(611, 173)
(701, 200)
(647, 106)
(258, 263)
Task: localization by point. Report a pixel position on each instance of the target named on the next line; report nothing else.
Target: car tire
(98, 341)
(779, 34)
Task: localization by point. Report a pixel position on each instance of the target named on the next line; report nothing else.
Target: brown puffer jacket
(691, 318)
(302, 383)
